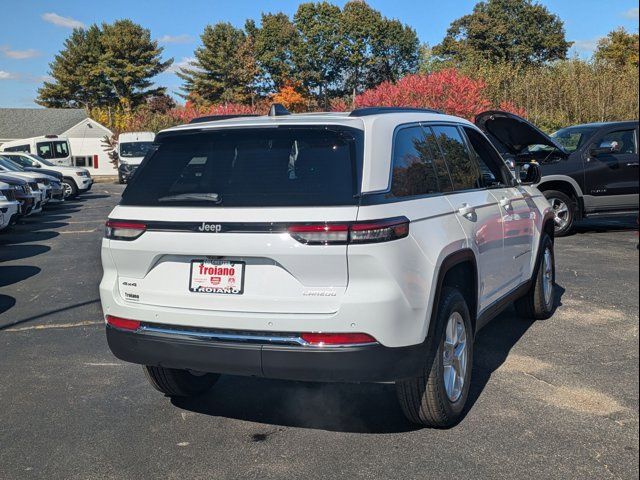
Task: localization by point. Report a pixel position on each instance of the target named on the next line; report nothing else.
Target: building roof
(16, 123)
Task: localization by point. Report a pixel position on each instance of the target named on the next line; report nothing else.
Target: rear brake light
(321, 339)
(370, 231)
(123, 323)
(116, 230)
(320, 234)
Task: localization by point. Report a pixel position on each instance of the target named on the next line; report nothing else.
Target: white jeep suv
(368, 246)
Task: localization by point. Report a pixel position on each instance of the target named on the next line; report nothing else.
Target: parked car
(50, 147)
(132, 147)
(587, 170)
(23, 193)
(9, 206)
(41, 183)
(364, 247)
(75, 180)
(53, 180)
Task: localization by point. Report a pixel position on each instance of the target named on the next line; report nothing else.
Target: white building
(85, 135)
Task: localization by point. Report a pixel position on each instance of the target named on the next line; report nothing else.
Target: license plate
(216, 276)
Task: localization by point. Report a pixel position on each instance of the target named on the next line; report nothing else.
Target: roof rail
(215, 118)
(366, 111)
(277, 110)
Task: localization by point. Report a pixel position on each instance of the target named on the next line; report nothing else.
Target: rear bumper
(364, 363)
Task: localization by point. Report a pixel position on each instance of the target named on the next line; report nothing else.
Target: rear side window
(464, 171)
(413, 169)
(18, 148)
(251, 168)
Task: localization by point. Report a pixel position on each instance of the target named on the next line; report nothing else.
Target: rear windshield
(134, 149)
(250, 168)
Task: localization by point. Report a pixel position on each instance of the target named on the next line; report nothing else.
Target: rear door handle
(466, 210)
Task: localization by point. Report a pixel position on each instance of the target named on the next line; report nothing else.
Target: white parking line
(55, 325)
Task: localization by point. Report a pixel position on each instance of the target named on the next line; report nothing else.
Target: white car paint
(8, 208)
(386, 290)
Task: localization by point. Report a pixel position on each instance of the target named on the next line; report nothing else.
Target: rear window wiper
(186, 197)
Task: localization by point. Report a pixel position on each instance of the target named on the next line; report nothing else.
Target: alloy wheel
(454, 356)
(66, 190)
(547, 280)
(562, 214)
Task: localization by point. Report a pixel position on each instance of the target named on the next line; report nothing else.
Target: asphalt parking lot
(552, 399)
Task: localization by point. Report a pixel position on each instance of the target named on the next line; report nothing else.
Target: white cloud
(183, 38)
(632, 13)
(185, 62)
(586, 46)
(60, 21)
(18, 54)
(6, 75)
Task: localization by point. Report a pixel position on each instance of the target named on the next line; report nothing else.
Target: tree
(618, 48)
(513, 31)
(290, 97)
(358, 23)
(104, 66)
(274, 43)
(394, 52)
(447, 90)
(77, 79)
(318, 55)
(219, 72)
(129, 60)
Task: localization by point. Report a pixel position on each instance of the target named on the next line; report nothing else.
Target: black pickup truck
(587, 170)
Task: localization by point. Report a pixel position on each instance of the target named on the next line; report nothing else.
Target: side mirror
(530, 174)
(606, 148)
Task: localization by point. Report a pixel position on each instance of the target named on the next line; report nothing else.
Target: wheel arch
(458, 270)
(566, 185)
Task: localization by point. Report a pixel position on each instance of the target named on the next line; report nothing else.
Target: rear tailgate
(216, 207)
(280, 274)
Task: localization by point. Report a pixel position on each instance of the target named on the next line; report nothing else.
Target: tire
(539, 303)
(69, 188)
(425, 400)
(179, 383)
(564, 207)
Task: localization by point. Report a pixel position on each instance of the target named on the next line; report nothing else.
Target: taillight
(320, 234)
(370, 231)
(123, 323)
(322, 339)
(117, 230)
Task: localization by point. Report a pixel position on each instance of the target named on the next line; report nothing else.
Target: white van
(54, 148)
(132, 147)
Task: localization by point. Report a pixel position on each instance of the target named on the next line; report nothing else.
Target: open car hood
(513, 134)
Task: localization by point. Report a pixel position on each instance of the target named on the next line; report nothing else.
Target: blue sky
(34, 31)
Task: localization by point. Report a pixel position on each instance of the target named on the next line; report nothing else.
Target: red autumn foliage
(189, 111)
(447, 90)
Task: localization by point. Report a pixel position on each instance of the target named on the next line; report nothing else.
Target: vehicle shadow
(17, 252)
(352, 408)
(493, 344)
(16, 236)
(6, 303)
(602, 225)
(16, 273)
(340, 407)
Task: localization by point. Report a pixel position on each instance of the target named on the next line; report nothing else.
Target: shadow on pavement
(6, 303)
(610, 224)
(45, 314)
(16, 273)
(493, 344)
(354, 408)
(342, 407)
(17, 252)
